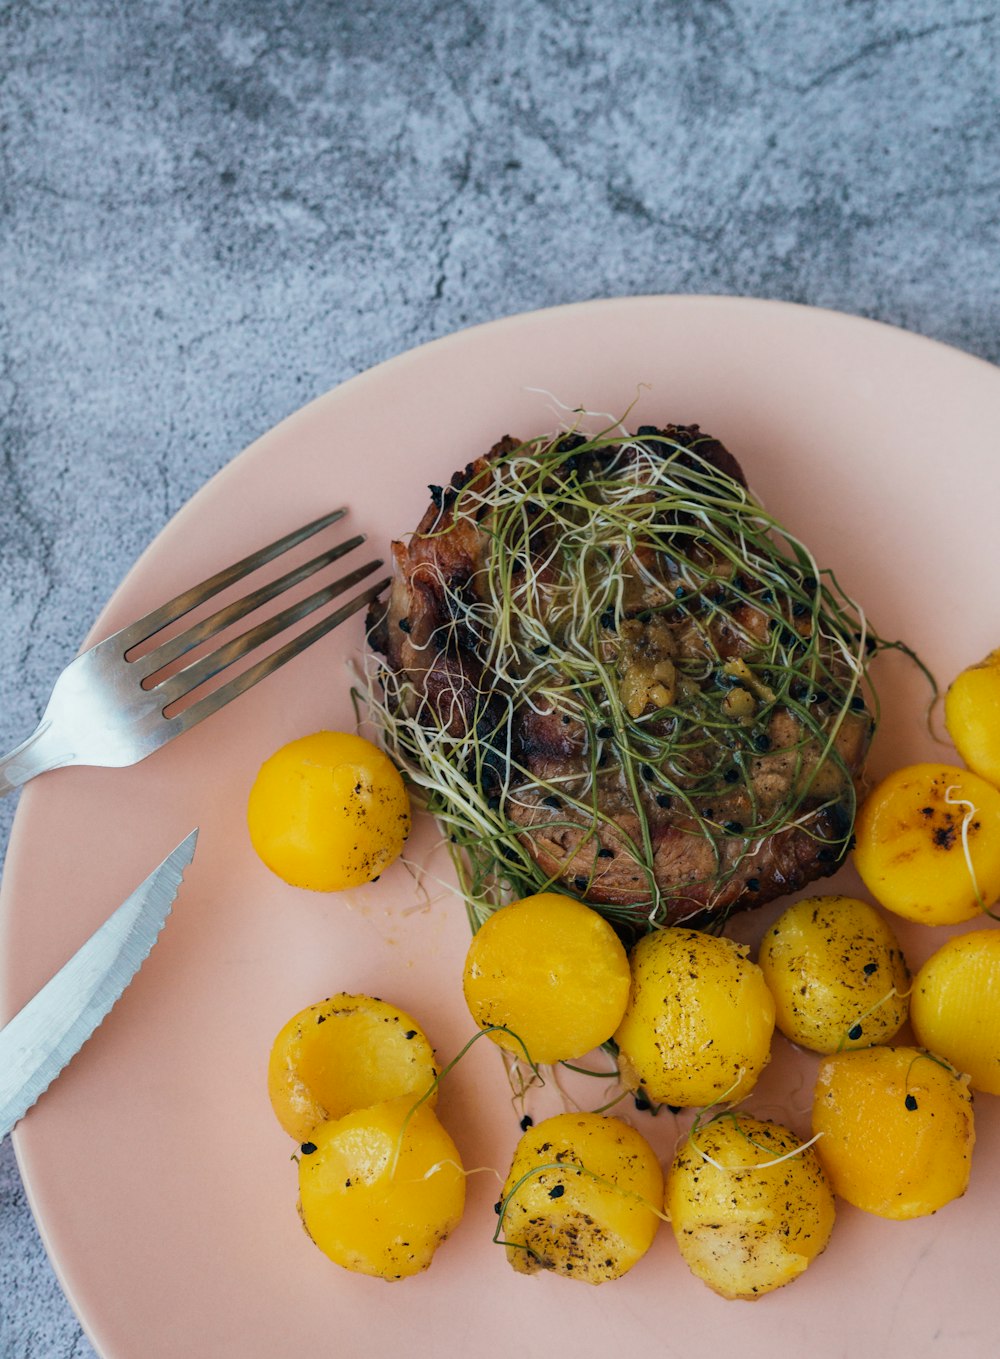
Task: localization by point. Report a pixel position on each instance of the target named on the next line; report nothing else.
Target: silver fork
(109, 709)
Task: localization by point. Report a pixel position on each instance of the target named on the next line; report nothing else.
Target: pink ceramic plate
(164, 1188)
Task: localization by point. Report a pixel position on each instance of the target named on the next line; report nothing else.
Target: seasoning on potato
(955, 1007)
(328, 811)
(699, 1020)
(749, 1205)
(928, 844)
(581, 1198)
(552, 971)
(837, 974)
(897, 1130)
(972, 716)
(381, 1188)
(348, 1052)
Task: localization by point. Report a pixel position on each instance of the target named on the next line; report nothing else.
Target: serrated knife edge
(50, 1029)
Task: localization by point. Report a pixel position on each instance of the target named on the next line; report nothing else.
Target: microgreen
(853, 1032)
(561, 1168)
(737, 1122)
(595, 552)
(970, 812)
(445, 1070)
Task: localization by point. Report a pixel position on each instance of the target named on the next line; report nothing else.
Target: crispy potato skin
(837, 974)
(897, 1130)
(348, 1052)
(581, 1198)
(744, 1225)
(699, 1020)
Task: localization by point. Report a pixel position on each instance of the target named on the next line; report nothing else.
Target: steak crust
(749, 787)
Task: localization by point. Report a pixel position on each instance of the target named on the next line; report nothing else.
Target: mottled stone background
(212, 212)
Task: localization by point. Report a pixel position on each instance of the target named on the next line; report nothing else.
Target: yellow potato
(955, 1007)
(553, 971)
(346, 1053)
(381, 1188)
(328, 811)
(837, 974)
(928, 844)
(748, 1216)
(581, 1198)
(699, 1020)
(897, 1130)
(972, 716)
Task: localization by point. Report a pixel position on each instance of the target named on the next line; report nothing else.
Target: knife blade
(54, 1025)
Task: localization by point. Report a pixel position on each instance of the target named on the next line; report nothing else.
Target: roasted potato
(749, 1205)
(381, 1188)
(581, 1198)
(837, 974)
(348, 1052)
(955, 1007)
(328, 811)
(699, 1020)
(972, 716)
(553, 971)
(896, 1130)
(928, 844)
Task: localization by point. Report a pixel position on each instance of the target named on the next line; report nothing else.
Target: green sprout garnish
(595, 553)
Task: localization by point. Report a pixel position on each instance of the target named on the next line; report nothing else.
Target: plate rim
(799, 313)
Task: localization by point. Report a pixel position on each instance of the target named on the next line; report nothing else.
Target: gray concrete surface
(212, 212)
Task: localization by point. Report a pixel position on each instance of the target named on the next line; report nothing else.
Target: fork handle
(31, 757)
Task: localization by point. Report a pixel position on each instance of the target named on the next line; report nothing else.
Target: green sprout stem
(587, 543)
(448, 1067)
(733, 1117)
(564, 1168)
(970, 811)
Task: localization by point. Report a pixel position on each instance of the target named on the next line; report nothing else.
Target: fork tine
(183, 603)
(232, 613)
(184, 681)
(204, 707)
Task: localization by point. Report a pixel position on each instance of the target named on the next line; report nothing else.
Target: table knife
(52, 1028)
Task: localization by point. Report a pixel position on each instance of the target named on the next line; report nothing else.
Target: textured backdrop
(212, 212)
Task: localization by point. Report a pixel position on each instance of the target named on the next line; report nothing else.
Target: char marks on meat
(662, 704)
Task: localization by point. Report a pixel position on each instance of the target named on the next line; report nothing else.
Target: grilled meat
(653, 695)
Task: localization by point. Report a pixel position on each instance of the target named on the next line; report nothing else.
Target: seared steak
(646, 692)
